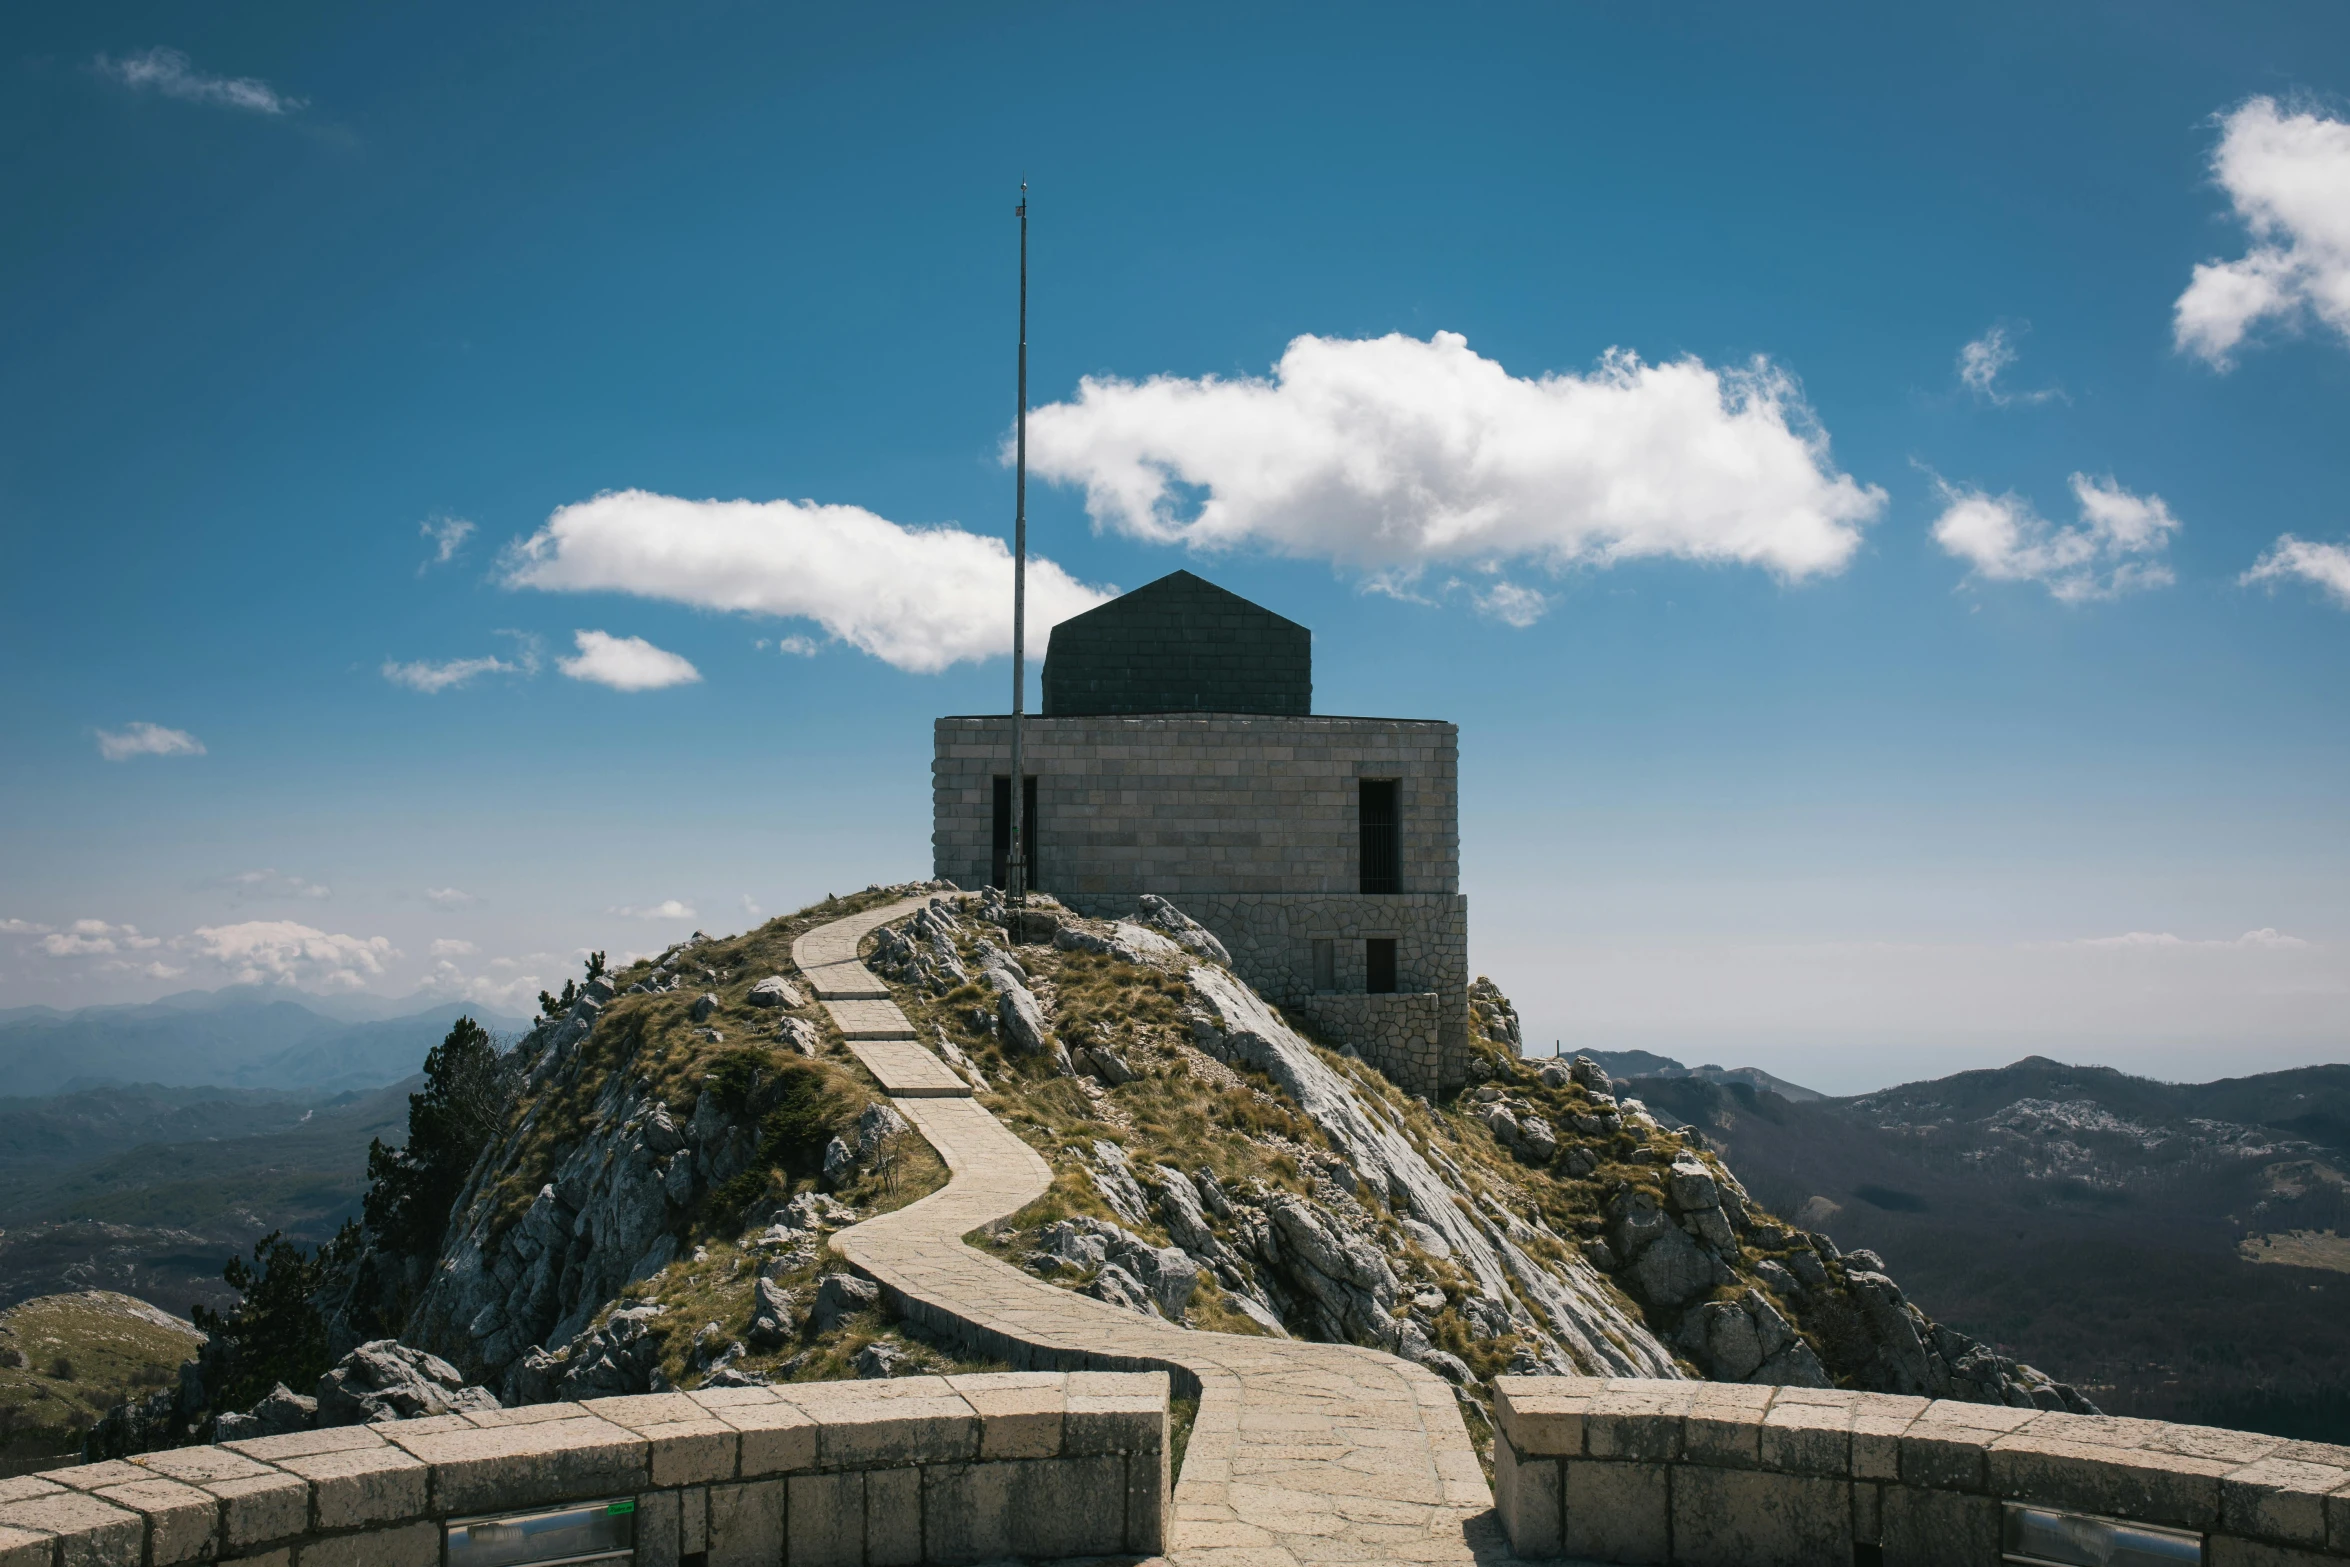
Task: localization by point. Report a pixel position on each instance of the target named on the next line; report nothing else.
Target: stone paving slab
(869, 1020)
(845, 982)
(1303, 1454)
(908, 1071)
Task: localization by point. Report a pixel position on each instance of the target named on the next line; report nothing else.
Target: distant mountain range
(2180, 1251)
(242, 1037)
(1642, 1063)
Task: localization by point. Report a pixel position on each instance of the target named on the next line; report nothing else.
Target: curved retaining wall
(841, 1474)
(1714, 1473)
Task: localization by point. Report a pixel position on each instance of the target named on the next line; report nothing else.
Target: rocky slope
(65, 1359)
(652, 1213)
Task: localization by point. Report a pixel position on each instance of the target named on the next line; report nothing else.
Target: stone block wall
(1402, 1035)
(1729, 1475)
(1250, 825)
(1187, 803)
(1038, 1465)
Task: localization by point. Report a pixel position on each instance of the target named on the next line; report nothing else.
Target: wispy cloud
(2326, 566)
(626, 663)
(2288, 177)
(791, 647)
(447, 536)
(451, 947)
(2267, 938)
(426, 676)
(2109, 552)
(917, 598)
(1983, 361)
(1392, 455)
(446, 898)
(270, 882)
(120, 745)
(666, 909)
(1513, 604)
(174, 75)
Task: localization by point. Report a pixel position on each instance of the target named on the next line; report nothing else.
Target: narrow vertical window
(1003, 831)
(1382, 836)
(1379, 965)
(1325, 964)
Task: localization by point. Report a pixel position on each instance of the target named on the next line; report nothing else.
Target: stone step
(908, 1071)
(869, 1020)
(846, 982)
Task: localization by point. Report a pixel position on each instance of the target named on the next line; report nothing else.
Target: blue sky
(1814, 714)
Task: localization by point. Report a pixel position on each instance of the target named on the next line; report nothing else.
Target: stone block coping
(919, 1469)
(1642, 1471)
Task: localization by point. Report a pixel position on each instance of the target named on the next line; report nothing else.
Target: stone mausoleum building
(1178, 753)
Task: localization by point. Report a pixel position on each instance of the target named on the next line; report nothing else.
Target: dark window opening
(1003, 830)
(1382, 836)
(1379, 965)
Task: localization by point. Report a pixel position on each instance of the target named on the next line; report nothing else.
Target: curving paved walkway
(1302, 1453)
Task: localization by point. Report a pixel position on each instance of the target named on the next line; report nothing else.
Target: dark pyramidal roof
(1179, 645)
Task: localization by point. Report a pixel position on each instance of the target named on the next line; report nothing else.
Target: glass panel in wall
(1003, 832)
(1382, 836)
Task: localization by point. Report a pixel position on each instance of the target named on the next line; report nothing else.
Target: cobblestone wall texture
(1250, 824)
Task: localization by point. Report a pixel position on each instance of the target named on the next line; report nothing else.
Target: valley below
(2176, 1250)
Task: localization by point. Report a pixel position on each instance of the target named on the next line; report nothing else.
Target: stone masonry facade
(1250, 824)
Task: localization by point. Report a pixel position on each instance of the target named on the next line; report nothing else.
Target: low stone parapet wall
(1705, 1473)
(845, 1474)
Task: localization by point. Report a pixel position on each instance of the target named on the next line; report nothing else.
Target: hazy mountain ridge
(243, 1037)
(1643, 1063)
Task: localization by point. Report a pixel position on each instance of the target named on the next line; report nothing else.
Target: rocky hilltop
(650, 1208)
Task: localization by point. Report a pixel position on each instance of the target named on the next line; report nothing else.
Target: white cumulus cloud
(626, 663)
(281, 952)
(95, 938)
(2110, 551)
(120, 745)
(2288, 177)
(2324, 565)
(174, 75)
(16, 927)
(428, 677)
(918, 598)
(1389, 455)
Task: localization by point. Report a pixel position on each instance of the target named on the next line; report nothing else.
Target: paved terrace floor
(1302, 1453)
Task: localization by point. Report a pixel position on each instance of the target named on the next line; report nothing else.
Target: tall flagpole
(1016, 861)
